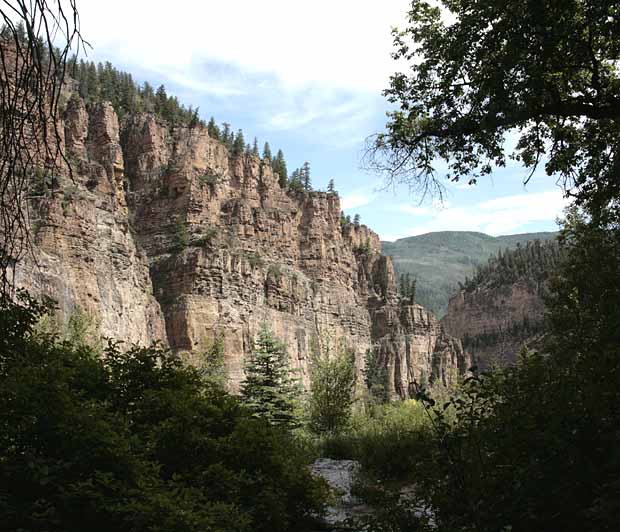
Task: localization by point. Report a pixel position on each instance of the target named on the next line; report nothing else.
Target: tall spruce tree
(270, 390)
(280, 169)
(238, 144)
(227, 135)
(305, 176)
(213, 130)
(267, 152)
(295, 184)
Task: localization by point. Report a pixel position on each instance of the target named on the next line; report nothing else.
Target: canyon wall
(161, 234)
(494, 323)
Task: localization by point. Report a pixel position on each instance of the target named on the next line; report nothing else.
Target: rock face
(162, 235)
(494, 323)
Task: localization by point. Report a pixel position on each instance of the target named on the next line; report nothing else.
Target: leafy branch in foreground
(546, 71)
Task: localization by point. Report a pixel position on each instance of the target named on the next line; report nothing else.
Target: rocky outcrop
(494, 323)
(162, 235)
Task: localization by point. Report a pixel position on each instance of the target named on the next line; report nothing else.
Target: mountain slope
(502, 306)
(443, 259)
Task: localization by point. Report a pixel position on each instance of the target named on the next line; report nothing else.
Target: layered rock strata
(161, 234)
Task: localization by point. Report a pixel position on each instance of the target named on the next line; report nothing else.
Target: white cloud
(344, 44)
(355, 200)
(498, 216)
(415, 210)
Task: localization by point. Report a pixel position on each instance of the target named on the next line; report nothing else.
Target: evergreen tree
(356, 220)
(269, 389)
(331, 188)
(226, 135)
(213, 130)
(238, 144)
(295, 183)
(161, 102)
(305, 176)
(255, 147)
(280, 169)
(267, 152)
(376, 377)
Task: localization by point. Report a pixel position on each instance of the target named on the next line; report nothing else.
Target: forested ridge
(533, 263)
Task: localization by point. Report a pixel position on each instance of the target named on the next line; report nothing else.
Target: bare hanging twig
(36, 40)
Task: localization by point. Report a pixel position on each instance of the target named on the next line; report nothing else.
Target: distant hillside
(501, 307)
(441, 260)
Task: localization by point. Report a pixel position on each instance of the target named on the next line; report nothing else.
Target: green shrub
(389, 440)
(208, 236)
(135, 440)
(69, 195)
(180, 239)
(275, 271)
(208, 180)
(332, 380)
(255, 260)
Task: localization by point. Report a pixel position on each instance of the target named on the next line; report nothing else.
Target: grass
(388, 440)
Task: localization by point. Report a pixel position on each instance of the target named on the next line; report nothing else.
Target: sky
(307, 77)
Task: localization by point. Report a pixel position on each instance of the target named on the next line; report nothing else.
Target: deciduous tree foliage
(134, 440)
(543, 70)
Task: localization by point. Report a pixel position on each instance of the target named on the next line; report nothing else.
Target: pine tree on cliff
(331, 187)
(238, 144)
(295, 183)
(269, 388)
(255, 147)
(356, 220)
(213, 130)
(305, 176)
(161, 101)
(280, 169)
(226, 135)
(267, 152)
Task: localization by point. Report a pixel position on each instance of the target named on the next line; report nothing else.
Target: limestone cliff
(161, 234)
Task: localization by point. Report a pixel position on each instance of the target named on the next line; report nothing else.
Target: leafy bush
(255, 260)
(208, 180)
(332, 379)
(275, 271)
(134, 441)
(180, 239)
(208, 236)
(389, 440)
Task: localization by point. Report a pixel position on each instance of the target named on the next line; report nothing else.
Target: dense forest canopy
(534, 263)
